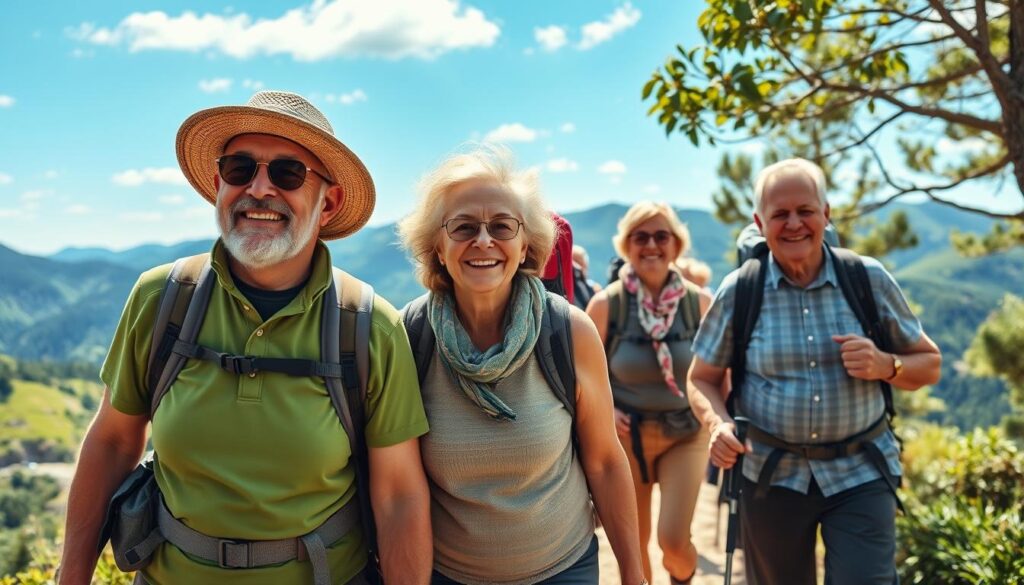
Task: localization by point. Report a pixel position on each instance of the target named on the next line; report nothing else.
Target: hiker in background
(823, 454)
(510, 500)
(695, 271)
(249, 453)
(583, 286)
(647, 319)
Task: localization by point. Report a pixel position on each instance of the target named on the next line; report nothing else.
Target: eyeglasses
(287, 174)
(502, 228)
(640, 238)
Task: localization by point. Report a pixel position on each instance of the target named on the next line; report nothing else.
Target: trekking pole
(734, 487)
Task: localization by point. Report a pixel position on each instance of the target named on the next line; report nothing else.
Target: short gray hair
(788, 168)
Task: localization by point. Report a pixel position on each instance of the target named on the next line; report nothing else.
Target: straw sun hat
(203, 136)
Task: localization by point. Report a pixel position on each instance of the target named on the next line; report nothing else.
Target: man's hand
(724, 446)
(862, 359)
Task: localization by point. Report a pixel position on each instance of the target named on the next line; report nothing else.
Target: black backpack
(553, 349)
(582, 292)
(856, 287)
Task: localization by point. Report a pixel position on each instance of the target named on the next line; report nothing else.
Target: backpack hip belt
(636, 417)
(861, 442)
(247, 554)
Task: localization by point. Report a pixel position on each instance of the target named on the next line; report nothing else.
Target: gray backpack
(137, 521)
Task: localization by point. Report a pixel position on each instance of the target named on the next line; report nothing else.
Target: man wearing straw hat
(253, 453)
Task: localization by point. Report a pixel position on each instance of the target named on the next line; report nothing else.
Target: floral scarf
(656, 316)
(478, 372)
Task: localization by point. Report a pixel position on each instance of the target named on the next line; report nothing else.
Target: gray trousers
(858, 527)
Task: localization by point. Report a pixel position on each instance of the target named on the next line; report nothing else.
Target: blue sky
(92, 94)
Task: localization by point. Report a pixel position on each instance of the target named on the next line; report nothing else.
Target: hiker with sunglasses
(520, 443)
(289, 427)
(647, 319)
(811, 369)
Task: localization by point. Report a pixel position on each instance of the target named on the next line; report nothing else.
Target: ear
(216, 181)
(828, 211)
(760, 226)
(331, 205)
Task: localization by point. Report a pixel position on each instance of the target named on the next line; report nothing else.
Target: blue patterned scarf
(478, 372)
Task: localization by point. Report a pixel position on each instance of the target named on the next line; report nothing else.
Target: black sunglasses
(502, 228)
(640, 238)
(285, 173)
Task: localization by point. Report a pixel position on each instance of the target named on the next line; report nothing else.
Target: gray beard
(256, 251)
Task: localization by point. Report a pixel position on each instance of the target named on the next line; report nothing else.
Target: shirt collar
(827, 275)
(321, 277)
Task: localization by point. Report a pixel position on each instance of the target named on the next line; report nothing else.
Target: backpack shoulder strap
(856, 286)
(182, 307)
(690, 308)
(421, 334)
(618, 313)
(345, 339)
(747, 308)
(555, 355)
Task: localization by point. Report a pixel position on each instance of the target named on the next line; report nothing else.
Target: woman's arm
(604, 461)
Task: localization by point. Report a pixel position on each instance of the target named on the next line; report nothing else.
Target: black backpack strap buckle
(237, 364)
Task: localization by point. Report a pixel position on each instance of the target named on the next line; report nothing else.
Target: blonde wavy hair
(420, 231)
(641, 212)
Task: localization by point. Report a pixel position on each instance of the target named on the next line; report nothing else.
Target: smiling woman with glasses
(514, 463)
(647, 320)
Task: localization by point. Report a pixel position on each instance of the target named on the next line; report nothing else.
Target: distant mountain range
(65, 306)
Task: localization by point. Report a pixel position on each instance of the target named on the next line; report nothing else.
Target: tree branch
(930, 190)
(991, 126)
(983, 51)
(882, 50)
(866, 137)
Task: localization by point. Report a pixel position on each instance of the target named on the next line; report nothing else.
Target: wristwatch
(897, 367)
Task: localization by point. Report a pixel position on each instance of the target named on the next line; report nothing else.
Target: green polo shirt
(259, 457)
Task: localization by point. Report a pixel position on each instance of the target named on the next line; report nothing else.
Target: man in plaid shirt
(812, 379)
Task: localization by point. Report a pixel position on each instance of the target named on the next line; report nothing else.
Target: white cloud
(567, 128)
(35, 195)
(171, 199)
(78, 209)
(6, 179)
(551, 38)
(6, 213)
(252, 84)
(219, 84)
(134, 178)
(561, 165)
(352, 97)
(597, 32)
(612, 167)
(6, 101)
(142, 216)
(514, 132)
(391, 29)
(652, 189)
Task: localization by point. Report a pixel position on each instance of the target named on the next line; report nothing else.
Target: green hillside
(44, 416)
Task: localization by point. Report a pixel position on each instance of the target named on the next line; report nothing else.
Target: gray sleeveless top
(636, 379)
(509, 501)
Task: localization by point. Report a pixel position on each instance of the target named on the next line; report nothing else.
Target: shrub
(966, 521)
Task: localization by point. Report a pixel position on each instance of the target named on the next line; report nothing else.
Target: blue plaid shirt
(796, 387)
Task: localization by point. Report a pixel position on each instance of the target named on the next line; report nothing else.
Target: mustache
(250, 203)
